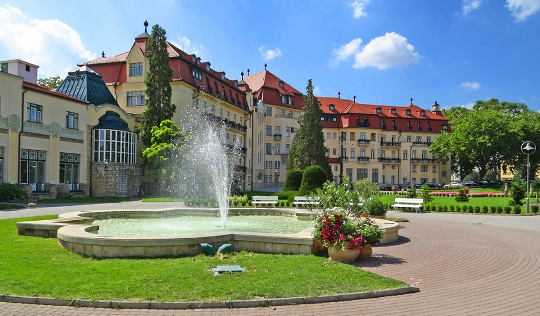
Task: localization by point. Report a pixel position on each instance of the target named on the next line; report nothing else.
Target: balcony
(390, 144)
(277, 136)
(343, 159)
(424, 160)
(422, 144)
(363, 142)
(363, 159)
(389, 160)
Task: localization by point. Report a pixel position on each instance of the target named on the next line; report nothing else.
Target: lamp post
(276, 178)
(106, 168)
(528, 148)
(342, 156)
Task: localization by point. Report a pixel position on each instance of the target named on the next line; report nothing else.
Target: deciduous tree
(50, 82)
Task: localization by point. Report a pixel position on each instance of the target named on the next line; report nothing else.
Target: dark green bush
(461, 196)
(534, 209)
(485, 209)
(287, 195)
(470, 209)
(452, 208)
(433, 208)
(439, 208)
(517, 209)
(458, 208)
(499, 209)
(314, 178)
(10, 192)
(477, 209)
(507, 209)
(493, 209)
(293, 180)
(411, 193)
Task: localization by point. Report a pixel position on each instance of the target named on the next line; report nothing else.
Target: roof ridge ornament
(145, 26)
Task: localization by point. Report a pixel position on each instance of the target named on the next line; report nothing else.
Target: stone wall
(118, 180)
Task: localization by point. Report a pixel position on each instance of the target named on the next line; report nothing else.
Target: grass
(33, 266)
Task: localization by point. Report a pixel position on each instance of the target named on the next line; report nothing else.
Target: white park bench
(303, 200)
(272, 199)
(408, 203)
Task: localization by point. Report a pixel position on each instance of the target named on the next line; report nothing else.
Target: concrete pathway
(464, 264)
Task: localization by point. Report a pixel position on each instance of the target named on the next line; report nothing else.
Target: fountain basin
(76, 233)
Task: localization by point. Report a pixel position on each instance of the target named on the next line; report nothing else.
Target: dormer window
(422, 112)
(408, 112)
(208, 66)
(332, 107)
(223, 76)
(281, 83)
(393, 111)
(196, 74)
(378, 110)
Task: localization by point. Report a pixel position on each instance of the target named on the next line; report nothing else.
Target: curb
(203, 305)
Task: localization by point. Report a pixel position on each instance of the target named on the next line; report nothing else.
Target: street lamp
(528, 148)
(342, 156)
(276, 177)
(106, 168)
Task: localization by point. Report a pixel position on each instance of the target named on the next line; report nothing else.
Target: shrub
(375, 206)
(534, 209)
(470, 209)
(507, 209)
(452, 208)
(433, 208)
(425, 193)
(10, 192)
(439, 208)
(477, 209)
(293, 180)
(287, 195)
(462, 196)
(499, 209)
(458, 208)
(485, 209)
(445, 208)
(314, 178)
(411, 193)
(517, 209)
(518, 190)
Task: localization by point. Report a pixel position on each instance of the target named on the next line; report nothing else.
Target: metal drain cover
(230, 269)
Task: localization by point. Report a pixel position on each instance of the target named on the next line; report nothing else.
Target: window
(413, 154)
(379, 110)
(408, 112)
(375, 175)
(443, 173)
(278, 130)
(72, 120)
(334, 151)
(136, 98)
(413, 168)
(361, 173)
(394, 154)
(288, 131)
(135, 69)
(114, 146)
(424, 154)
(434, 168)
(268, 148)
(287, 148)
(362, 136)
(418, 139)
(4, 67)
(362, 152)
(282, 113)
(277, 164)
(277, 149)
(444, 127)
(405, 154)
(408, 139)
(352, 152)
(383, 154)
(69, 170)
(33, 113)
(373, 136)
(423, 112)
(196, 74)
(428, 139)
(335, 168)
(372, 155)
(423, 168)
(334, 135)
(33, 169)
(268, 130)
(268, 111)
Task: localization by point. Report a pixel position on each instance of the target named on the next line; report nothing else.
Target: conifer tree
(308, 148)
(158, 106)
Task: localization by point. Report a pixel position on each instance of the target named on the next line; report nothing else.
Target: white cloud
(359, 8)
(390, 50)
(50, 44)
(522, 9)
(269, 54)
(187, 46)
(470, 85)
(316, 91)
(349, 49)
(468, 5)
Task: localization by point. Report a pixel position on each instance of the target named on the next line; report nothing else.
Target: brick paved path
(463, 264)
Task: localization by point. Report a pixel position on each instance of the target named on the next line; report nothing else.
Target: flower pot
(343, 256)
(364, 215)
(366, 252)
(378, 216)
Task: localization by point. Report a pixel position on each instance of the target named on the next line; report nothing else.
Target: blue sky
(383, 51)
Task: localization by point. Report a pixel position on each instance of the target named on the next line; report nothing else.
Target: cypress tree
(308, 148)
(158, 106)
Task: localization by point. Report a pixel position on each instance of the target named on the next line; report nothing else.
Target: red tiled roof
(352, 114)
(46, 90)
(267, 86)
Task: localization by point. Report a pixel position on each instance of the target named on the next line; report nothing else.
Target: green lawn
(33, 266)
